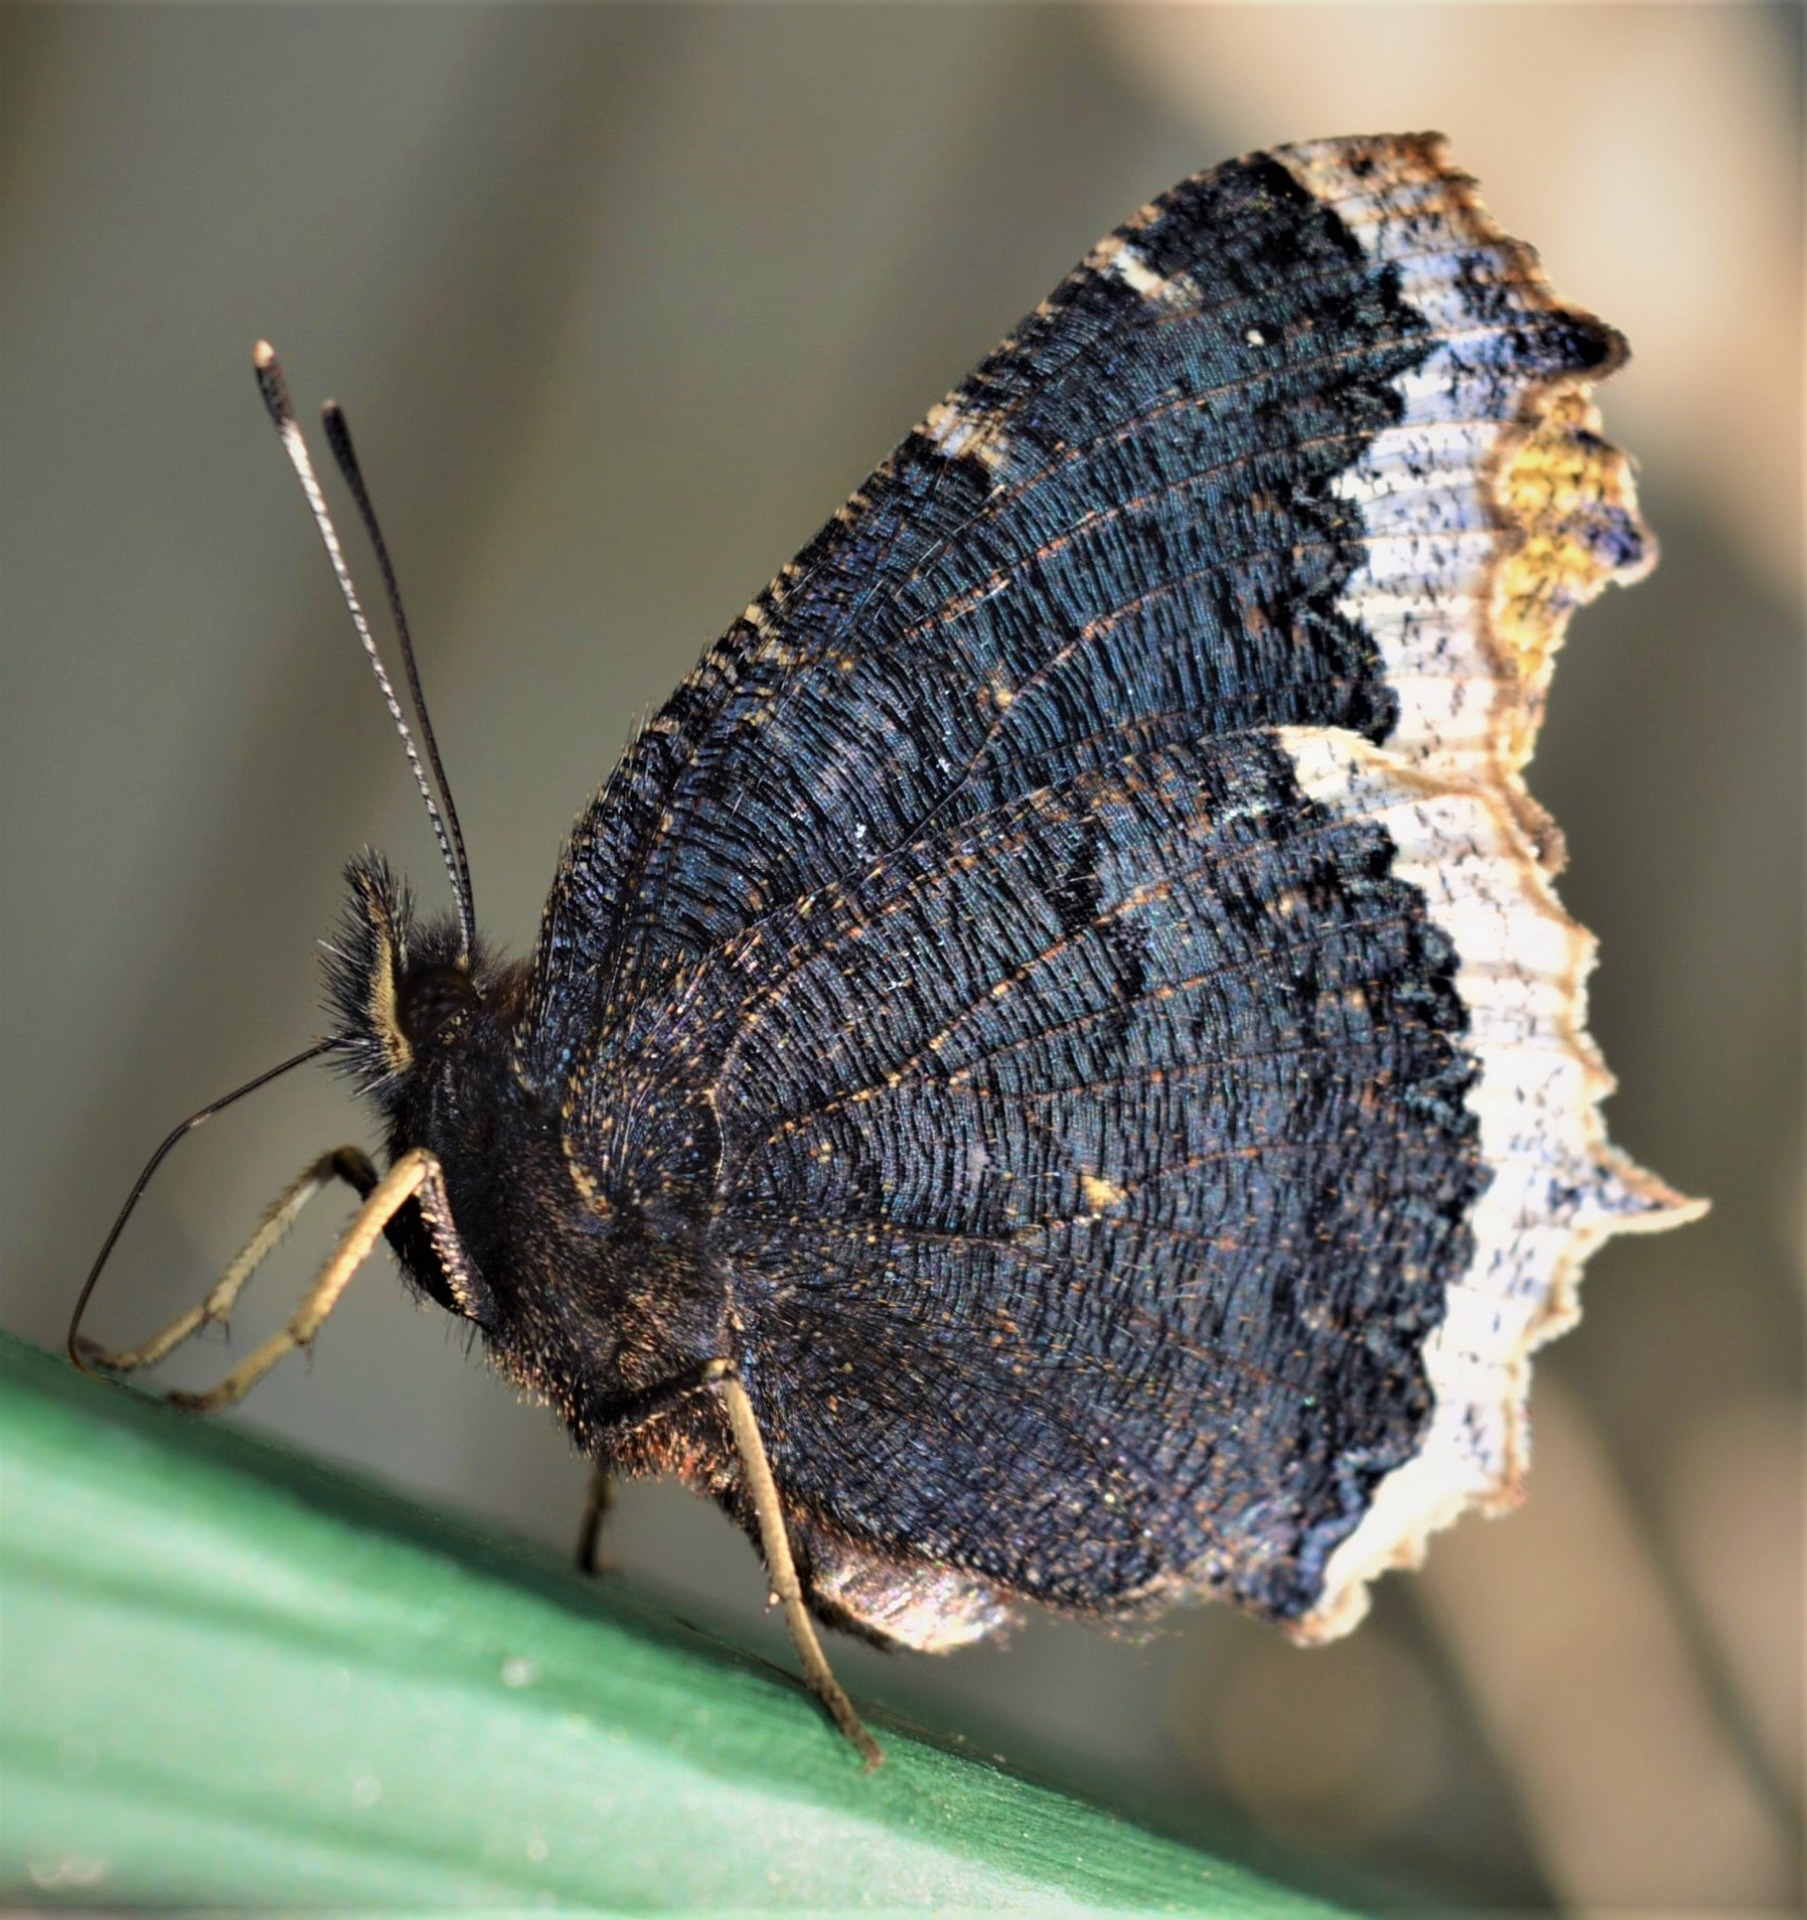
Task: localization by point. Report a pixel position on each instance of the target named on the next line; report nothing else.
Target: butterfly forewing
(1044, 969)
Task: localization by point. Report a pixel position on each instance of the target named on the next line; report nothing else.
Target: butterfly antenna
(73, 1340)
(274, 389)
(338, 437)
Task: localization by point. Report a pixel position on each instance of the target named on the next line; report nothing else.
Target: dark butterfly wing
(1260, 407)
(1065, 1156)
(1089, 913)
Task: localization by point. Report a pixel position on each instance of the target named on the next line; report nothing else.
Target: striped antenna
(274, 389)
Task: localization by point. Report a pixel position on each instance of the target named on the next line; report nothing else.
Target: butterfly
(1052, 1071)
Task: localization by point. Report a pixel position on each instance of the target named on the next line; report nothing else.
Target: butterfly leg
(762, 1489)
(622, 1416)
(343, 1163)
(597, 1501)
(414, 1173)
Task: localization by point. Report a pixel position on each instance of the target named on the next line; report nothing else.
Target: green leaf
(230, 1674)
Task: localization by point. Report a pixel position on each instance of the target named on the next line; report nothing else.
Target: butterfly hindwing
(1066, 1143)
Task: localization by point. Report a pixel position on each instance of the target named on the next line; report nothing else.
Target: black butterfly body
(1066, 1000)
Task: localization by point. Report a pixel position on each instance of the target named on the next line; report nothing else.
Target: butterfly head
(409, 1002)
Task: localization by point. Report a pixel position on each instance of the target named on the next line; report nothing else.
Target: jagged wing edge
(1492, 509)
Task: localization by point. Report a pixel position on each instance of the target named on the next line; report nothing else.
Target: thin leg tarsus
(414, 1173)
(762, 1490)
(599, 1497)
(343, 1163)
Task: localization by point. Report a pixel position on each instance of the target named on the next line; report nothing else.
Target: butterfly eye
(431, 1000)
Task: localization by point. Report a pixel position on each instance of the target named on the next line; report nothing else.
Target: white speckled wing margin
(1492, 508)
(1557, 1189)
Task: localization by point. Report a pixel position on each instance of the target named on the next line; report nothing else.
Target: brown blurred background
(622, 302)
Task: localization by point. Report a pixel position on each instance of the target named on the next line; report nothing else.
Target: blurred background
(622, 302)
